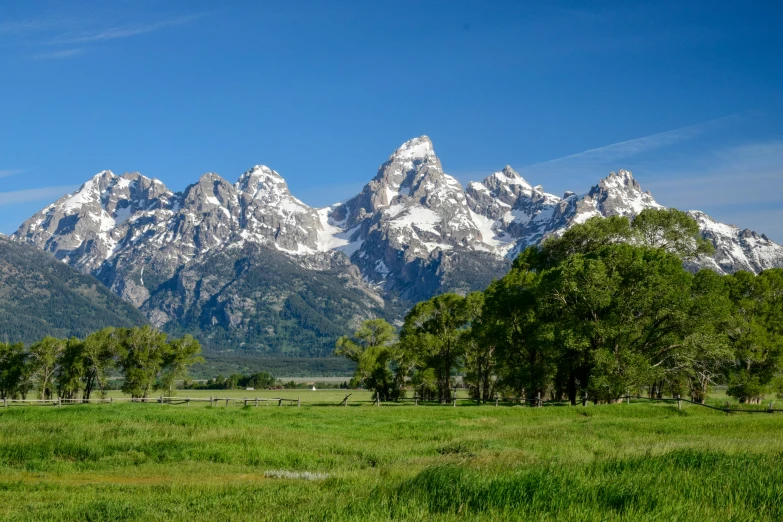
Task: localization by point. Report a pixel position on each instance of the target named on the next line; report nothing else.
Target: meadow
(645, 461)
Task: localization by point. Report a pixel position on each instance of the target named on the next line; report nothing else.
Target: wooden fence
(537, 401)
(213, 401)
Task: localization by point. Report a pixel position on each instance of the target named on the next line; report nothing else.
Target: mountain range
(247, 266)
(41, 296)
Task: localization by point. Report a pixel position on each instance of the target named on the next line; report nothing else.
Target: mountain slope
(40, 296)
(231, 262)
(256, 299)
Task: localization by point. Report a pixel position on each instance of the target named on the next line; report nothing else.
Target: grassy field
(610, 462)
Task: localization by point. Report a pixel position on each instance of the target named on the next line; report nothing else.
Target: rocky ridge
(413, 231)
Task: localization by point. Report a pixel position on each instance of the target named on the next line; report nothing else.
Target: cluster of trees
(258, 381)
(603, 310)
(76, 368)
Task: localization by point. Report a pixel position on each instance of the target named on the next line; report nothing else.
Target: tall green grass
(612, 462)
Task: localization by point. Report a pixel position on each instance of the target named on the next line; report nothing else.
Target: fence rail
(213, 401)
(537, 401)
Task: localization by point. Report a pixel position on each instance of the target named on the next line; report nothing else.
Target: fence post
(245, 402)
(256, 402)
(539, 399)
(496, 402)
(584, 400)
(299, 402)
(59, 402)
(770, 407)
(378, 399)
(5, 403)
(727, 407)
(280, 402)
(629, 398)
(679, 403)
(454, 401)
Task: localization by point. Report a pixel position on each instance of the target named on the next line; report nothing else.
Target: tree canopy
(603, 310)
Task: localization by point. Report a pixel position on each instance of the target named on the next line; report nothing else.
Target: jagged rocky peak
(264, 187)
(413, 171)
(506, 184)
(414, 160)
(415, 149)
(735, 248)
(210, 191)
(412, 229)
(620, 194)
(262, 180)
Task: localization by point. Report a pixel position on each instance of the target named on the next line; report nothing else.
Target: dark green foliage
(434, 338)
(373, 348)
(68, 368)
(605, 310)
(258, 381)
(669, 229)
(756, 333)
(41, 296)
(14, 371)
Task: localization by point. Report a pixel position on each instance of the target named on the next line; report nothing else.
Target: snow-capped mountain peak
(261, 179)
(409, 230)
(415, 149)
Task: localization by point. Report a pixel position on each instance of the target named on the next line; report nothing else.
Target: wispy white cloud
(741, 175)
(629, 148)
(117, 32)
(9, 172)
(68, 36)
(57, 55)
(37, 194)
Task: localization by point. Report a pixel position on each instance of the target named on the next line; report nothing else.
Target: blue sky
(688, 95)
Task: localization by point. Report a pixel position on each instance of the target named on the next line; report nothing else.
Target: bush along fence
(213, 401)
(536, 402)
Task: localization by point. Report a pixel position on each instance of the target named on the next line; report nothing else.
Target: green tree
(706, 352)
(756, 333)
(44, 356)
(373, 349)
(142, 352)
(624, 312)
(69, 374)
(480, 352)
(434, 333)
(672, 230)
(14, 371)
(180, 355)
(590, 236)
(510, 321)
(261, 380)
(100, 351)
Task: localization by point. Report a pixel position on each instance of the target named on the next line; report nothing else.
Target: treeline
(76, 368)
(256, 381)
(604, 310)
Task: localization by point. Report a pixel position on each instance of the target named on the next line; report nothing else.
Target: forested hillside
(41, 296)
(258, 301)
